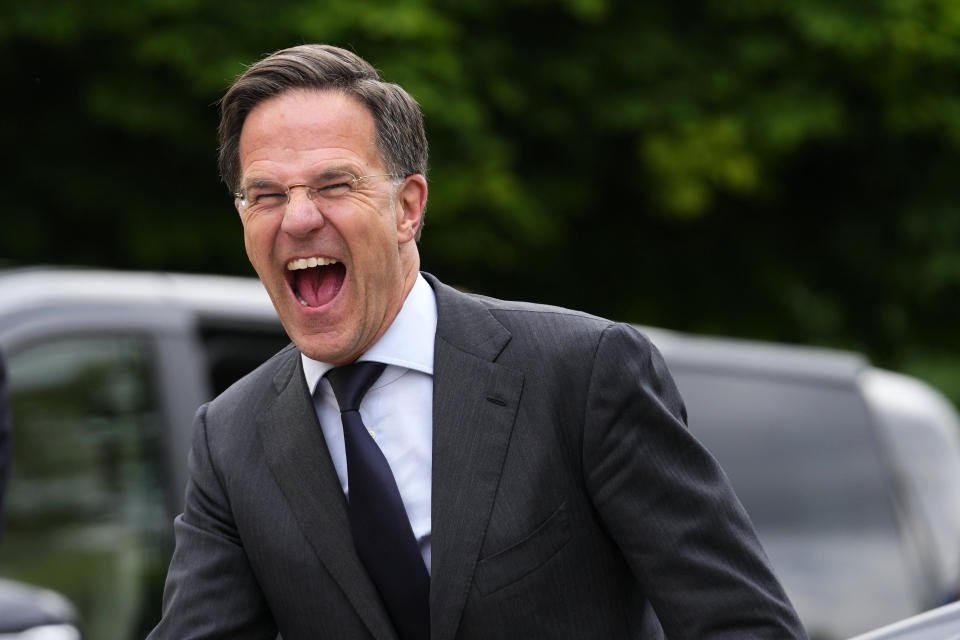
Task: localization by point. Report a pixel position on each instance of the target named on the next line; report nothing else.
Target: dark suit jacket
(568, 497)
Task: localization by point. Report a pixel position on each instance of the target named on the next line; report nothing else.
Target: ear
(411, 201)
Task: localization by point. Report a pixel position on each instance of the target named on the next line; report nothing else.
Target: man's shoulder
(260, 385)
(519, 315)
(515, 315)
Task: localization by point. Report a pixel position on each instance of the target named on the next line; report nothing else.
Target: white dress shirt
(398, 408)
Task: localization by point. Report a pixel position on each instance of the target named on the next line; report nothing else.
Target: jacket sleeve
(668, 505)
(210, 591)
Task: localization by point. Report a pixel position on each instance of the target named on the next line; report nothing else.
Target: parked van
(851, 474)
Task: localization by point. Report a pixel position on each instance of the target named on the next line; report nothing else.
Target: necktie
(381, 530)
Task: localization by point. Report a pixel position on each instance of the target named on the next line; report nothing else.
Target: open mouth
(315, 281)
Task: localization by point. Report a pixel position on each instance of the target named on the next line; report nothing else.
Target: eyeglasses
(268, 197)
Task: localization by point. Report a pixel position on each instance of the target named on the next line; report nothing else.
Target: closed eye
(335, 188)
(268, 198)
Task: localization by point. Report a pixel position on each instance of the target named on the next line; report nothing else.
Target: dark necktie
(381, 530)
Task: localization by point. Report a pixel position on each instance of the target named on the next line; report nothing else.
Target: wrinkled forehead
(307, 124)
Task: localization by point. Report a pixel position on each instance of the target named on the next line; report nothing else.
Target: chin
(318, 348)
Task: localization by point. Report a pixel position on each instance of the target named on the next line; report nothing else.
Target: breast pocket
(521, 558)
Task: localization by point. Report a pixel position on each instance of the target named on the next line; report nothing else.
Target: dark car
(850, 473)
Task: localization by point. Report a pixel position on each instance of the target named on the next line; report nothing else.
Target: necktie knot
(351, 382)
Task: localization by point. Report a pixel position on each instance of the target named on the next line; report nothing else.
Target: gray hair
(400, 135)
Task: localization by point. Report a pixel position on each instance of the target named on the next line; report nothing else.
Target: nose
(302, 214)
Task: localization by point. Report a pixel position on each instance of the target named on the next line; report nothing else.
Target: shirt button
(372, 434)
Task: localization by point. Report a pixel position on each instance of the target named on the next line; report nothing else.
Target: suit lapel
(297, 455)
(474, 407)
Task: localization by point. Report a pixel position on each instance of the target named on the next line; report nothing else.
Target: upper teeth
(306, 263)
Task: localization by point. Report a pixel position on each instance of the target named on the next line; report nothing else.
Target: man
(545, 482)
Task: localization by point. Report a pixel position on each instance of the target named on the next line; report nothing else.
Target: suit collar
(475, 403)
(465, 322)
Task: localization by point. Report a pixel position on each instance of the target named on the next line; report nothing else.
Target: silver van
(851, 474)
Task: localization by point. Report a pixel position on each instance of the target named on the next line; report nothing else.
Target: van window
(235, 350)
(85, 507)
(805, 460)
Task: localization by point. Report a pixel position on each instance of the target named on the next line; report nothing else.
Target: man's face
(333, 312)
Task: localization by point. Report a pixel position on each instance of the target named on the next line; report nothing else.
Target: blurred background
(784, 171)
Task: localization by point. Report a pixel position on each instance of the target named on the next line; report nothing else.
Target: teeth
(306, 263)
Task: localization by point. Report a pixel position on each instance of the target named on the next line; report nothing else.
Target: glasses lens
(264, 197)
(334, 184)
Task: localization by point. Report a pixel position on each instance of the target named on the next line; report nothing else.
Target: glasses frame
(314, 192)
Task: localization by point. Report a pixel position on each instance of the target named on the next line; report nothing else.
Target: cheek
(257, 240)
(251, 249)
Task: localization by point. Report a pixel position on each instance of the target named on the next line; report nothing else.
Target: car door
(100, 396)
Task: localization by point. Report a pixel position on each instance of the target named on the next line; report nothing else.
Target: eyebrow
(261, 182)
(326, 173)
(351, 169)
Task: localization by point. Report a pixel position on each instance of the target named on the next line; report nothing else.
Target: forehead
(308, 127)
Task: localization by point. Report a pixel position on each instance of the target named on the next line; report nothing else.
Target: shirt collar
(407, 342)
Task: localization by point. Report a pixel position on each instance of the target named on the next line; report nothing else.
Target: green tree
(747, 167)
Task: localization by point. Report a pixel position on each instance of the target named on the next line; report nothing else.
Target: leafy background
(754, 168)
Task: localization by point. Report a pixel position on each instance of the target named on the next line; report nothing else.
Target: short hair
(400, 135)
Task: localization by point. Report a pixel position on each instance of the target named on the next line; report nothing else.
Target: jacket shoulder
(249, 393)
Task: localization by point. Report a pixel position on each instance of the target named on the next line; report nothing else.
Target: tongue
(319, 285)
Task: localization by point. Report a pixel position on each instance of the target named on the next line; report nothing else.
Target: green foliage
(748, 167)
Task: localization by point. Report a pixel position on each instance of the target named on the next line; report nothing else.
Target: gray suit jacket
(568, 499)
